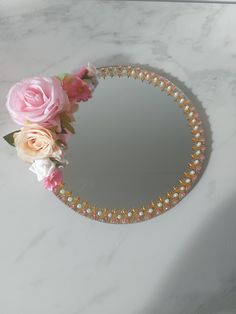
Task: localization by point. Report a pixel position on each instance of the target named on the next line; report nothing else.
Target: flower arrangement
(44, 108)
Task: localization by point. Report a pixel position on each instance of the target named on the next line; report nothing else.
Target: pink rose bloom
(86, 71)
(76, 88)
(53, 180)
(82, 72)
(38, 100)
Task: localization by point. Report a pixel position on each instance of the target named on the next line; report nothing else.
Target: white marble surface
(53, 261)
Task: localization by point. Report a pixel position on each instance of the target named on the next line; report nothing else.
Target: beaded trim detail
(162, 203)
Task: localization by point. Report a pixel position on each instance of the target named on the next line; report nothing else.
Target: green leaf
(69, 127)
(9, 138)
(57, 163)
(66, 122)
(87, 80)
(64, 117)
(60, 143)
(54, 129)
(61, 76)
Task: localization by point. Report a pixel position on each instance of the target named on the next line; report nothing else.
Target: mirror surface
(132, 143)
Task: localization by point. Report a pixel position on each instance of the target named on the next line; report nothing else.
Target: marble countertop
(53, 261)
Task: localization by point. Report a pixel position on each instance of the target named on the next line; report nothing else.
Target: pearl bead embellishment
(181, 188)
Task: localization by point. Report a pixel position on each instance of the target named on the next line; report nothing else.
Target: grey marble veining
(53, 261)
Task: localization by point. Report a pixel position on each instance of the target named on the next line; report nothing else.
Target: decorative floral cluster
(44, 107)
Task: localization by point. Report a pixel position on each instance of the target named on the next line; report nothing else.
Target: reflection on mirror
(131, 142)
(135, 152)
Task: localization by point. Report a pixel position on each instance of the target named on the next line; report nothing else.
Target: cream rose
(35, 142)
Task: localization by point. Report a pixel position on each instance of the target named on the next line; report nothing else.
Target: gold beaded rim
(162, 203)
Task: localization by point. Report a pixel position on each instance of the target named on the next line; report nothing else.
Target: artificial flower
(42, 168)
(35, 142)
(45, 107)
(86, 72)
(76, 88)
(53, 180)
(82, 73)
(37, 100)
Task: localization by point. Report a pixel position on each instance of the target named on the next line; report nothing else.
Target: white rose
(42, 168)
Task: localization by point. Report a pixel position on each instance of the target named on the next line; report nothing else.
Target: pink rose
(37, 100)
(76, 88)
(86, 71)
(82, 72)
(53, 180)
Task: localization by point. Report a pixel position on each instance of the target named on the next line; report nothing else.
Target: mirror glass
(132, 143)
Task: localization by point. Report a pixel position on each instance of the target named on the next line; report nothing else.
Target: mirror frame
(182, 187)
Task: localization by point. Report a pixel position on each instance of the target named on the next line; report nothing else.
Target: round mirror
(137, 149)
